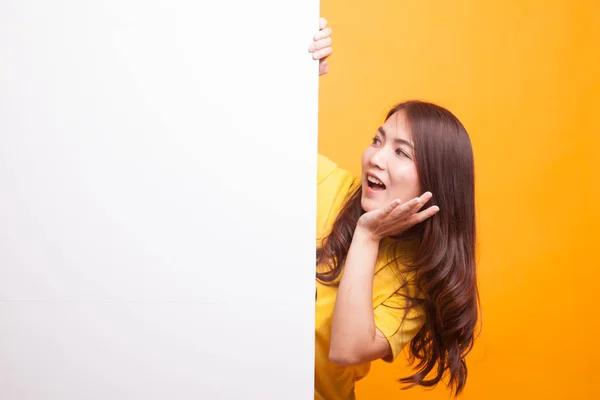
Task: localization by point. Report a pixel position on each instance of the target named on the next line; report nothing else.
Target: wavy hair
(443, 264)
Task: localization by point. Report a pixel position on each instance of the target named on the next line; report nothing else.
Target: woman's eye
(402, 153)
(376, 141)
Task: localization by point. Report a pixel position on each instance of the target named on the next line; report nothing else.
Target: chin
(368, 204)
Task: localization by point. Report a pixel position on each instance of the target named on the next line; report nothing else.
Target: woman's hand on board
(396, 217)
(321, 46)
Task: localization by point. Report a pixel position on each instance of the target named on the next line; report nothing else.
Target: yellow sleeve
(390, 320)
(333, 186)
(324, 168)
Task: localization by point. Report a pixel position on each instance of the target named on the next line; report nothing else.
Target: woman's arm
(354, 337)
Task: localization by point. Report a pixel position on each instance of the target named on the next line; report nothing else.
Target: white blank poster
(157, 199)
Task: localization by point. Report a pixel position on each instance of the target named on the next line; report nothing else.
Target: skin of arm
(354, 337)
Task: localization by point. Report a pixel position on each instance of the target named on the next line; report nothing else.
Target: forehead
(396, 127)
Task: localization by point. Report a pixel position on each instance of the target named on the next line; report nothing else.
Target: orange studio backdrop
(524, 78)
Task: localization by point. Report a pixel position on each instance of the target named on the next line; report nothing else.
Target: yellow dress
(334, 382)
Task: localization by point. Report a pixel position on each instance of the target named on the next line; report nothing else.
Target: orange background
(524, 78)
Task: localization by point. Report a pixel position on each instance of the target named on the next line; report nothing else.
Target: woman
(395, 255)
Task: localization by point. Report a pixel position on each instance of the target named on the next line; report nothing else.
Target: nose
(377, 159)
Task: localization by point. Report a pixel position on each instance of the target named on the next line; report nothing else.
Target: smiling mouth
(375, 183)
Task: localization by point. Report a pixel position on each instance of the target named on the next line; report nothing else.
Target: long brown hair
(443, 263)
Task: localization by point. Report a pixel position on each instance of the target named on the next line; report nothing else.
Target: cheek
(365, 157)
(406, 183)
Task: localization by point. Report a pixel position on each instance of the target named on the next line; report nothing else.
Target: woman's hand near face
(321, 46)
(396, 218)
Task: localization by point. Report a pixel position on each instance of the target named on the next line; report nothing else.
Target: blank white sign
(157, 199)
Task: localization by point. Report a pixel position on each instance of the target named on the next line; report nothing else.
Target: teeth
(372, 179)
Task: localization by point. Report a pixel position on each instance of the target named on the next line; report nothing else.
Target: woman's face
(388, 166)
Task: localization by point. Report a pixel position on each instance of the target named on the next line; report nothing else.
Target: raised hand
(321, 46)
(396, 217)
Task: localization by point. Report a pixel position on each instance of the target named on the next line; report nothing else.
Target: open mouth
(375, 183)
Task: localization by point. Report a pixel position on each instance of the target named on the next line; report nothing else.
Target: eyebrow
(396, 140)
